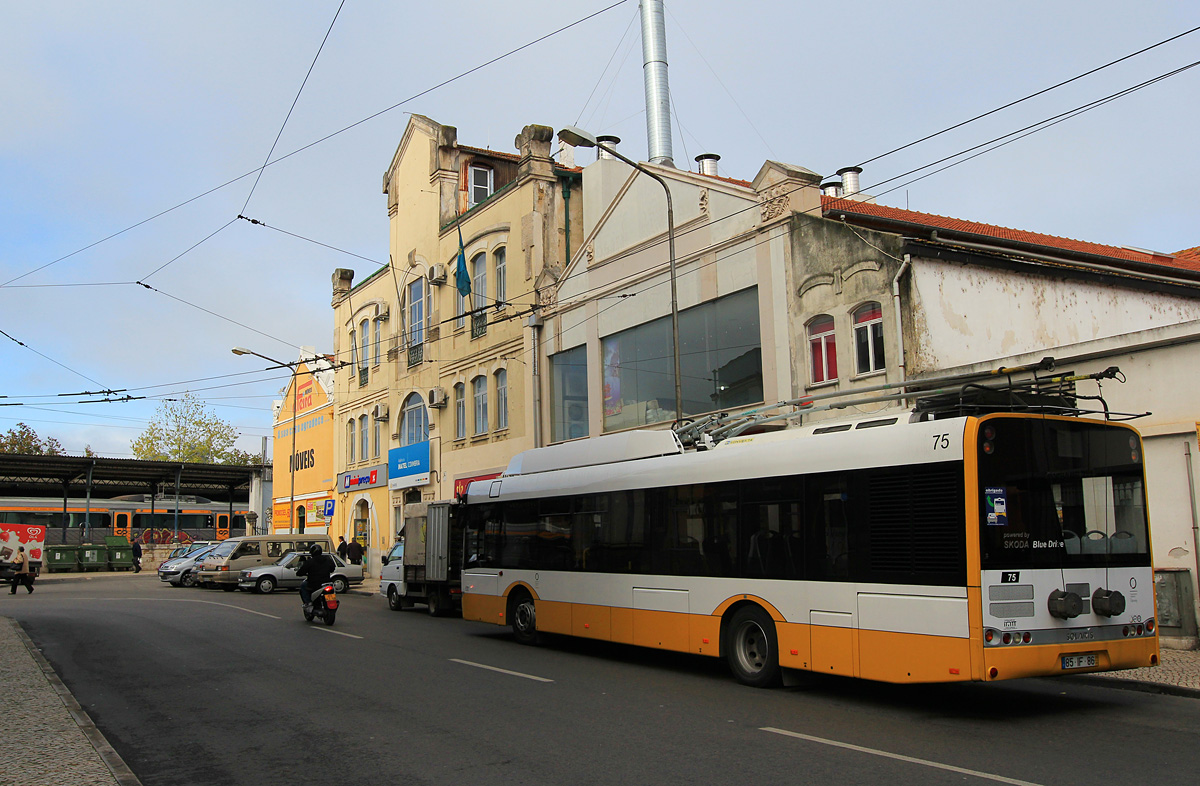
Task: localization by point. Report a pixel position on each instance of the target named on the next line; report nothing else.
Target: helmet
(315, 550)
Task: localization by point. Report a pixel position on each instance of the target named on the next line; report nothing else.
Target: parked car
(282, 574)
(188, 548)
(181, 571)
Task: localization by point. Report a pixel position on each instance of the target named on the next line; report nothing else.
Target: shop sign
(360, 479)
(408, 466)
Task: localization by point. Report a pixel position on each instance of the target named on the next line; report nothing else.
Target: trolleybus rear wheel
(752, 649)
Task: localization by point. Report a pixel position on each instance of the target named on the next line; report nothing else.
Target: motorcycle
(324, 604)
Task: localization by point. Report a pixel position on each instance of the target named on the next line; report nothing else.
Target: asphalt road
(206, 687)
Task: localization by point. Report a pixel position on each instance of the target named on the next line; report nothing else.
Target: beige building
(303, 449)
(441, 387)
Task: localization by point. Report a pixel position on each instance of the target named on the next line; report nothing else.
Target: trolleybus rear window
(1056, 492)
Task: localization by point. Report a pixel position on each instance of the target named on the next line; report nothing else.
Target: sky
(132, 135)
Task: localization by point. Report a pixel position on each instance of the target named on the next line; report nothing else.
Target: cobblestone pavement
(48, 738)
(1178, 671)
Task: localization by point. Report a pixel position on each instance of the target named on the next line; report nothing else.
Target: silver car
(282, 575)
(180, 571)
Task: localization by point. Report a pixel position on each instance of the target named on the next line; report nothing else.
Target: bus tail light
(1150, 626)
(1007, 637)
(989, 635)
(993, 672)
(1026, 638)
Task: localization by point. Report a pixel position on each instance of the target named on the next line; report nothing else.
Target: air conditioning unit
(437, 397)
(437, 273)
(380, 411)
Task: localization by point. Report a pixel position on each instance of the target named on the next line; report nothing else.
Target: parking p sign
(328, 511)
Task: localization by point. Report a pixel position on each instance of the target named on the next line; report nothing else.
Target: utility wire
(319, 141)
(1031, 95)
(191, 248)
(292, 107)
(47, 357)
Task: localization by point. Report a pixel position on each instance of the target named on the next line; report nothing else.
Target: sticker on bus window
(995, 500)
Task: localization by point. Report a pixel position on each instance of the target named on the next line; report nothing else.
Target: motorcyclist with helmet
(316, 571)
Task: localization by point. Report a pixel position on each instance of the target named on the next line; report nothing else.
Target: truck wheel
(437, 604)
(522, 615)
(752, 649)
(394, 602)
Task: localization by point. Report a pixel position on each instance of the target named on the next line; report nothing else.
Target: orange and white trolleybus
(902, 549)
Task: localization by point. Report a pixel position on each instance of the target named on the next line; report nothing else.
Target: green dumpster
(60, 559)
(120, 553)
(92, 557)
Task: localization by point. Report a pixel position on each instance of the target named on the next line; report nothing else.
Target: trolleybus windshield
(1060, 493)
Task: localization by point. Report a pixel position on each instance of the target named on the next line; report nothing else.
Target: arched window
(501, 276)
(414, 421)
(416, 312)
(460, 411)
(823, 349)
(501, 399)
(479, 280)
(364, 336)
(480, 183)
(868, 338)
(362, 437)
(479, 395)
(350, 441)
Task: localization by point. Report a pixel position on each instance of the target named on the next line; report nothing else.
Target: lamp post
(580, 138)
(295, 414)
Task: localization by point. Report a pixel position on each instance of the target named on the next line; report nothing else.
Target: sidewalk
(370, 585)
(35, 707)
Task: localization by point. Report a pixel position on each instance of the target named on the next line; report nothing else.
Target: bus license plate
(1078, 661)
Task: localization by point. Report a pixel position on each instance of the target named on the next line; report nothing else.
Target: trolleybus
(901, 549)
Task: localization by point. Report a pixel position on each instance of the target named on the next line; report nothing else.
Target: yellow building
(304, 468)
(441, 388)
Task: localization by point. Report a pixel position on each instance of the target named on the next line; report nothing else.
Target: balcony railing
(478, 324)
(416, 353)
(364, 374)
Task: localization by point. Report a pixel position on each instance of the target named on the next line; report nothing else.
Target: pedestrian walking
(342, 548)
(355, 552)
(23, 571)
(137, 555)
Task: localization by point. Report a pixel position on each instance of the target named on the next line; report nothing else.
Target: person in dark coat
(355, 552)
(342, 547)
(137, 556)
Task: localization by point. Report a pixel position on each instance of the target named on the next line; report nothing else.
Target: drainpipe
(899, 321)
(1187, 455)
(535, 325)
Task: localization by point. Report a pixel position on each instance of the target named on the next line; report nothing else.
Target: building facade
(439, 386)
(303, 462)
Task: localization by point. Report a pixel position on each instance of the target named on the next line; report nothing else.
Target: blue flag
(462, 277)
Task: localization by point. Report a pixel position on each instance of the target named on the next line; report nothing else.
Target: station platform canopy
(76, 476)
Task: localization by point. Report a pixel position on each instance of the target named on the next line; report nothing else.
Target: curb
(107, 753)
(1142, 686)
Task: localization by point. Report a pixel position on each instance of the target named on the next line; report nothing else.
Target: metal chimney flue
(849, 176)
(708, 163)
(832, 189)
(608, 140)
(654, 76)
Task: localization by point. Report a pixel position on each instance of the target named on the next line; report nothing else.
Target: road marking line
(338, 632)
(190, 600)
(912, 760)
(502, 671)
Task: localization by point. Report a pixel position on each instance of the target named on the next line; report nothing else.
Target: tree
(185, 430)
(23, 439)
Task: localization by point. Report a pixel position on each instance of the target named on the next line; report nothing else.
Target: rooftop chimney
(832, 189)
(654, 76)
(708, 163)
(610, 141)
(849, 176)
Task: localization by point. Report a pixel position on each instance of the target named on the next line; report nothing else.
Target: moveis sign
(31, 536)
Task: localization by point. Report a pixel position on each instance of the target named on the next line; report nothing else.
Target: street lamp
(577, 137)
(295, 414)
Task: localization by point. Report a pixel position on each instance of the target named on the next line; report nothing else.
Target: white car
(282, 575)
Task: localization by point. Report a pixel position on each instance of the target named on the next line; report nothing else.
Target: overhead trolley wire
(325, 138)
(312, 65)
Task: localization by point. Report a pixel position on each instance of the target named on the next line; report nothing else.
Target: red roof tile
(1184, 260)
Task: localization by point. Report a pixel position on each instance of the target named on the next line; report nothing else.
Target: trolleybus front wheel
(522, 615)
(752, 649)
